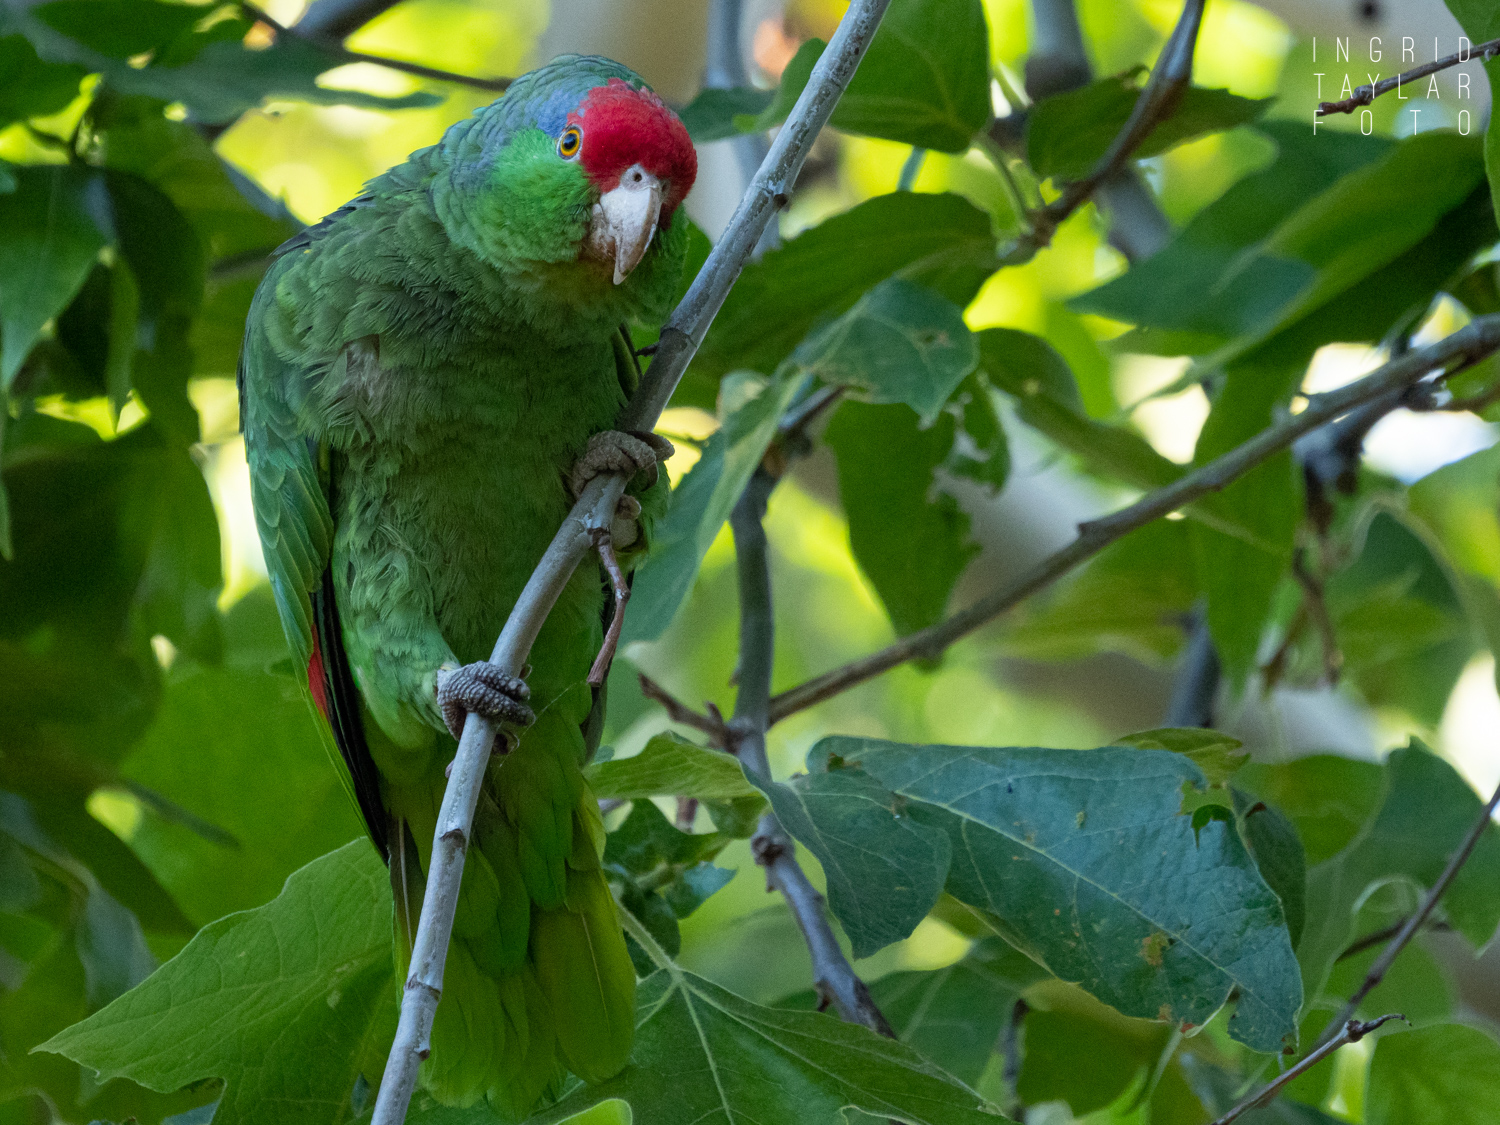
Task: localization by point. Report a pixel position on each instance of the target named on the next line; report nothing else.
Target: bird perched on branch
(429, 376)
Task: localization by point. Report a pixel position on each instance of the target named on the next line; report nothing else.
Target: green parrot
(428, 378)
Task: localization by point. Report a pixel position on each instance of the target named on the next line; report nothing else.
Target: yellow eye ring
(570, 142)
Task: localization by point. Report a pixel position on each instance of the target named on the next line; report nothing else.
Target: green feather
(420, 371)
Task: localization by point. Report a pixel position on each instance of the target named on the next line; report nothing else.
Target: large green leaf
(701, 503)
(885, 865)
(55, 223)
(1328, 798)
(704, 1056)
(30, 87)
(1447, 1074)
(1084, 860)
(911, 540)
(287, 1004)
(240, 749)
(924, 81)
(1427, 811)
(1481, 23)
(900, 343)
(942, 242)
(669, 766)
(1068, 133)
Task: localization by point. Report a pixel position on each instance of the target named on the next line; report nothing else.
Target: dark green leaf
(1056, 1043)
(56, 222)
(1449, 1074)
(981, 452)
(711, 116)
(900, 343)
(1066, 850)
(1328, 798)
(30, 87)
(1428, 809)
(911, 543)
(1481, 22)
(1272, 840)
(702, 501)
(704, 1056)
(955, 1016)
(1217, 755)
(942, 242)
(304, 981)
(120, 28)
(1068, 133)
(885, 863)
(670, 767)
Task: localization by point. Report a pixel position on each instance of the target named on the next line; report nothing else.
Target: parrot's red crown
(623, 126)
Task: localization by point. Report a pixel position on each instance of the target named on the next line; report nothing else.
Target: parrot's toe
(615, 451)
(486, 689)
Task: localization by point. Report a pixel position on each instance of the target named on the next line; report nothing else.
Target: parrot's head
(574, 179)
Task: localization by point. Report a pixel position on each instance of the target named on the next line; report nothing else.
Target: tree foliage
(1057, 915)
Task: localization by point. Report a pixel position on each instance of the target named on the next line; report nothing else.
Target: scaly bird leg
(484, 688)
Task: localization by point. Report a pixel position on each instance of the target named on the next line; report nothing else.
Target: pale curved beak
(625, 219)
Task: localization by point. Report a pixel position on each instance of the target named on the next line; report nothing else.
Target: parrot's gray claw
(486, 689)
(615, 451)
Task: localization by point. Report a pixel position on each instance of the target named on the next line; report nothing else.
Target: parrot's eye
(570, 142)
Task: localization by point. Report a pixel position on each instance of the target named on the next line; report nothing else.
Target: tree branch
(1368, 93)
(1476, 340)
(833, 976)
(1351, 1032)
(339, 19)
(334, 46)
(1409, 930)
(1170, 76)
(1196, 685)
(595, 509)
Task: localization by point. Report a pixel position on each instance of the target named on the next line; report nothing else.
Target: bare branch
(1379, 937)
(339, 19)
(1351, 1032)
(680, 712)
(833, 976)
(1368, 93)
(1476, 340)
(1196, 684)
(595, 509)
(1409, 930)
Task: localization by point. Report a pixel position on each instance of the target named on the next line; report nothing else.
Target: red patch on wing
(317, 681)
(624, 126)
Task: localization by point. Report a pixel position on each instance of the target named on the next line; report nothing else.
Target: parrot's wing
(289, 487)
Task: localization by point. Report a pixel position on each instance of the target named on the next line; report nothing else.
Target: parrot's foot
(484, 688)
(615, 451)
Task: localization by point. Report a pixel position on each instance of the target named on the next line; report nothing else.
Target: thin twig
(1351, 1031)
(336, 48)
(680, 712)
(595, 508)
(1366, 94)
(833, 977)
(1409, 929)
(1170, 77)
(1474, 341)
(1355, 948)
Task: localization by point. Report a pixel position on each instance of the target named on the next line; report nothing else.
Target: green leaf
(1328, 798)
(1272, 840)
(1066, 850)
(1449, 1074)
(982, 454)
(242, 750)
(304, 982)
(701, 503)
(885, 863)
(210, 71)
(1217, 755)
(1209, 284)
(911, 543)
(1030, 371)
(942, 242)
(704, 1056)
(1068, 133)
(713, 115)
(670, 766)
(1056, 1042)
(30, 87)
(1481, 23)
(900, 343)
(56, 222)
(924, 80)
(955, 1015)
(119, 28)
(1427, 811)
